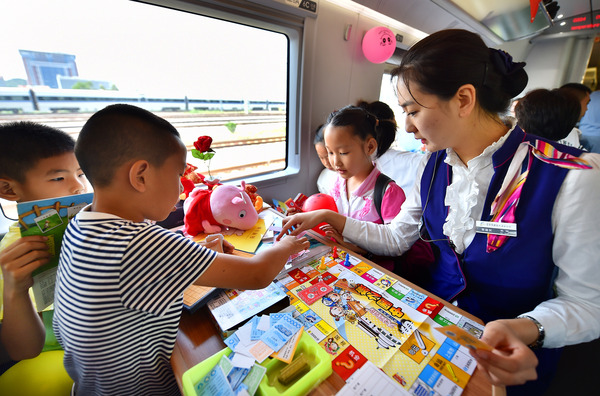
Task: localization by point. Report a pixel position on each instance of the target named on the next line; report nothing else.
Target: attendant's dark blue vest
(517, 276)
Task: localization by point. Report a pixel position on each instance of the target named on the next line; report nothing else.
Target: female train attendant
(514, 218)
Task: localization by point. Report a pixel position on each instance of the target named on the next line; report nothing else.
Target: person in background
(551, 114)
(537, 289)
(120, 280)
(327, 176)
(590, 124)
(582, 93)
(38, 162)
(400, 165)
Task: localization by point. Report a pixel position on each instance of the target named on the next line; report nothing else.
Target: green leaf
(231, 126)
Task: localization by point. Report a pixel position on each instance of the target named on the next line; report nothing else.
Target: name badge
(491, 227)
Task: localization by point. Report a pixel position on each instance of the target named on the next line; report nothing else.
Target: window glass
(64, 59)
(404, 141)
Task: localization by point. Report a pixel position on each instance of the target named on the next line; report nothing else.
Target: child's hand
(292, 211)
(295, 244)
(228, 248)
(20, 259)
(332, 233)
(297, 223)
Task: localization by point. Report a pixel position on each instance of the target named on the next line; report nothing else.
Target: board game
(358, 314)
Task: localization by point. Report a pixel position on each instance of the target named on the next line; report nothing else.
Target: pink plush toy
(223, 208)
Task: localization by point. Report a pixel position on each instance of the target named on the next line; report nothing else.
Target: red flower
(203, 143)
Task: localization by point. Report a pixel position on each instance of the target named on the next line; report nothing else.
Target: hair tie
(503, 62)
(376, 122)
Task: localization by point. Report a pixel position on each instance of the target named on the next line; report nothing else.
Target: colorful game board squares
(316, 334)
(450, 371)
(288, 282)
(431, 381)
(372, 275)
(334, 343)
(324, 277)
(447, 317)
(298, 276)
(360, 268)
(314, 292)
(324, 328)
(430, 307)
(385, 282)
(348, 361)
(413, 298)
(310, 271)
(300, 306)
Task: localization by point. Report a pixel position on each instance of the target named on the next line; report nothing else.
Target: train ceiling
(497, 20)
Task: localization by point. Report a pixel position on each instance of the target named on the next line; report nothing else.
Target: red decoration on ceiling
(534, 4)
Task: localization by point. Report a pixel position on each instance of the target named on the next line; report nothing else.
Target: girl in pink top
(353, 136)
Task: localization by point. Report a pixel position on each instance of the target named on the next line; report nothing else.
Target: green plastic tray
(319, 362)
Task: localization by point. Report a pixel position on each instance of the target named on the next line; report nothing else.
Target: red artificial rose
(203, 143)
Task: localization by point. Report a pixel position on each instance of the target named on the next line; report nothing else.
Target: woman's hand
(511, 362)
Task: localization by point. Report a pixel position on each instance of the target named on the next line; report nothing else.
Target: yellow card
(463, 337)
(247, 242)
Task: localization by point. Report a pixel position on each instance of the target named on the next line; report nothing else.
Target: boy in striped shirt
(120, 279)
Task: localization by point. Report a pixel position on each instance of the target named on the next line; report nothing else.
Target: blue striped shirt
(119, 295)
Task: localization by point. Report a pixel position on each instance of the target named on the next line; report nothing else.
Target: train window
(208, 69)
(404, 140)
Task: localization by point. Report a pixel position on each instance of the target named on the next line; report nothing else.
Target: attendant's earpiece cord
(421, 223)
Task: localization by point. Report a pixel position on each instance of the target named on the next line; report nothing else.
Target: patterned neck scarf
(504, 205)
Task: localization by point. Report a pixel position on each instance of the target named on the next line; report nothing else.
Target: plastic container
(318, 359)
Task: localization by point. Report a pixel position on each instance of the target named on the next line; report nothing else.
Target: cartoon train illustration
(384, 338)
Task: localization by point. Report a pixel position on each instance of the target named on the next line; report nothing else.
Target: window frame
(255, 15)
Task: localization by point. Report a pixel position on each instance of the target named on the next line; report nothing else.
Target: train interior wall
(336, 73)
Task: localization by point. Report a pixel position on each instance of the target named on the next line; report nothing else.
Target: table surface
(198, 339)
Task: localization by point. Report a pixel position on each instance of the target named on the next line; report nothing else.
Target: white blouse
(574, 315)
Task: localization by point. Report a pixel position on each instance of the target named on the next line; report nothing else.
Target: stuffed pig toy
(226, 207)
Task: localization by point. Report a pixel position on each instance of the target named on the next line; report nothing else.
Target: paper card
(214, 384)
(236, 376)
(232, 341)
(255, 332)
(225, 365)
(281, 332)
(242, 361)
(286, 353)
(463, 337)
(314, 292)
(264, 323)
(276, 317)
(260, 351)
(370, 380)
(244, 333)
(252, 380)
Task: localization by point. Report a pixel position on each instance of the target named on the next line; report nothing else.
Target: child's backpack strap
(380, 186)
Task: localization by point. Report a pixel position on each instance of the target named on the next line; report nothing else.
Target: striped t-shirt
(118, 303)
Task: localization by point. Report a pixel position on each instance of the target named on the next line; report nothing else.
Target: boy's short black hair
(24, 143)
(120, 133)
